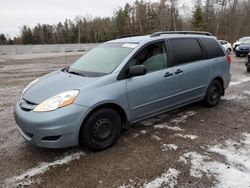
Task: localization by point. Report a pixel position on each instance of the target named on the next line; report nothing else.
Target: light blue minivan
(121, 82)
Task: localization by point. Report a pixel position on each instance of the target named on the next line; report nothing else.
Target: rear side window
(212, 47)
(186, 50)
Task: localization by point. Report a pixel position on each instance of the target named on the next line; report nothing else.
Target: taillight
(229, 60)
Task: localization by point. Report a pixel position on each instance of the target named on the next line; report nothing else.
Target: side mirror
(137, 70)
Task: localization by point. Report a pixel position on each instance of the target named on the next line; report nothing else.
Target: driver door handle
(168, 74)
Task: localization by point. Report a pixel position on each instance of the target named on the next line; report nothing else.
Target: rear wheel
(213, 93)
(101, 130)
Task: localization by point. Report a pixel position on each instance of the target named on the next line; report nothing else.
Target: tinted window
(213, 49)
(186, 50)
(152, 56)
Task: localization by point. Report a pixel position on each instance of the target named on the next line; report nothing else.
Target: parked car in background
(248, 63)
(243, 49)
(119, 83)
(240, 41)
(227, 46)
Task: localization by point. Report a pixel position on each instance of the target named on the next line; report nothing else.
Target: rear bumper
(227, 80)
(56, 129)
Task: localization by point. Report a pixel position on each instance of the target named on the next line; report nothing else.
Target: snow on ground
(192, 137)
(166, 147)
(234, 171)
(246, 93)
(166, 126)
(143, 132)
(233, 97)
(182, 117)
(149, 122)
(168, 179)
(24, 179)
(243, 80)
(157, 138)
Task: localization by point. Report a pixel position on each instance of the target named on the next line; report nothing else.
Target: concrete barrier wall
(47, 48)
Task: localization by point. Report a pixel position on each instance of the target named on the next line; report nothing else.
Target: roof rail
(181, 32)
(125, 36)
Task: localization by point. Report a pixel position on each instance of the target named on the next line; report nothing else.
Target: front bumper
(56, 129)
(242, 52)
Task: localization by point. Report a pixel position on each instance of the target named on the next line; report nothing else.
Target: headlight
(58, 101)
(29, 85)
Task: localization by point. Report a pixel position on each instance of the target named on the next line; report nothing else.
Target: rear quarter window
(186, 50)
(212, 47)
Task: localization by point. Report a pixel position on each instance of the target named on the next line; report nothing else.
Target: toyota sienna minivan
(121, 82)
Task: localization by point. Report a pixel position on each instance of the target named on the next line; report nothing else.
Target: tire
(101, 130)
(237, 55)
(213, 94)
(248, 69)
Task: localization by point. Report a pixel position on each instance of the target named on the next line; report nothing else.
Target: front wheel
(101, 130)
(213, 93)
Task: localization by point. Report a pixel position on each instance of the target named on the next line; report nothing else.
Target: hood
(53, 84)
(244, 47)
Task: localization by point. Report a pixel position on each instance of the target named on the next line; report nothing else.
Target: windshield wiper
(74, 72)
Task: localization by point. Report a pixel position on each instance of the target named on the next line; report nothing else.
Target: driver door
(153, 92)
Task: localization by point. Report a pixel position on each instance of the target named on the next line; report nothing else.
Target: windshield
(245, 40)
(102, 60)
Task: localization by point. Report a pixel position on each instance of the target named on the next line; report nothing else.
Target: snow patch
(166, 126)
(143, 132)
(24, 178)
(234, 172)
(233, 97)
(149, 122)
(157, 138)
(243, 80)
(192, 137)
(183, 117)
(166, 147)
(167, 179)
(246, 93)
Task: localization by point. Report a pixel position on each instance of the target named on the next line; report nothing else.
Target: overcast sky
(16, 13)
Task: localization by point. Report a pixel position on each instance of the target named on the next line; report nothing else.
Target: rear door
(191, 69)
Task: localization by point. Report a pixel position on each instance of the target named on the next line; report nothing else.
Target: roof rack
(125, 36)
(181, 32)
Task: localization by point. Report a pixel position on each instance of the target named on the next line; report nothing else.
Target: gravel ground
(193, 146)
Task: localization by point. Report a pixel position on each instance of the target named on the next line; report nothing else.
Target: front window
(102, 60)
(153, 57)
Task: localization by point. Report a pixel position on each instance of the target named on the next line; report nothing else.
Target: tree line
(227, 19)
